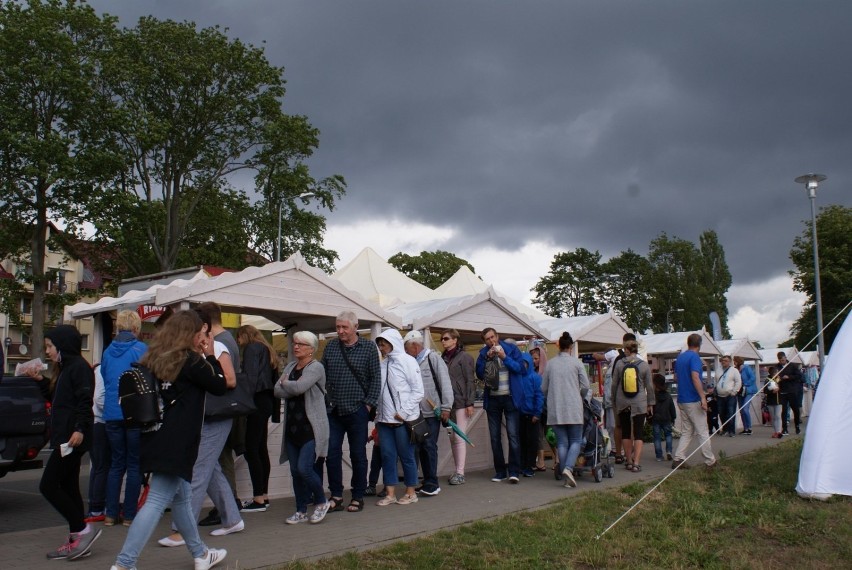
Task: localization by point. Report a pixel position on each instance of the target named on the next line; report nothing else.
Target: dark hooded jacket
(71, 404)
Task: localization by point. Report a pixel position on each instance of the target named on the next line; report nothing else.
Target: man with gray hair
(353, 383)
(438, 389)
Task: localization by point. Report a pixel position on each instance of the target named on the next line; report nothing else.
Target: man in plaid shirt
(353, 383)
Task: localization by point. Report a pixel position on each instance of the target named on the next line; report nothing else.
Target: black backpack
(139, 398)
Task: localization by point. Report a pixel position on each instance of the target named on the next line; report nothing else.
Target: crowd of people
(408, 390)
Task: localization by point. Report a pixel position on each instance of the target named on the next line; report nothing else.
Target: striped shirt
(346, 391)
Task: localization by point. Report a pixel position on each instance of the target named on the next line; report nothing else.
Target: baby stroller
(594, 456)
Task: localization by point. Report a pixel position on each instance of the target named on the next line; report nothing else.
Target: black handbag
(418, 429)
(238, 401)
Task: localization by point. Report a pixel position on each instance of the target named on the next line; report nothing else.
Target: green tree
(834, 238)
(429, 268)
(51, 131)
(195, 111)
(572, 287)
(715, 276)
(626, 289)
(676, 269)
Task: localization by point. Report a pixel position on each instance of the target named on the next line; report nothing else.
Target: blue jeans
(307, 483)
(745, 409)
(569, 444)
(99, 453)
(659, 430)
(728, 410)
(164, 490)
(125, 459)
(429, 454)
(396, 443)
(499, 406)
(354, 427)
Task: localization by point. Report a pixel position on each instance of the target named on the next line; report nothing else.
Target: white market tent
(591, 333)
(769, 356)
(741, 347)
(290, 293)
(464, 283)
(469, 315)
(380, 282)
(669, 345)
(810, 357)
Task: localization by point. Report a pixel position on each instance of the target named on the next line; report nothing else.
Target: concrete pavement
(268, 542)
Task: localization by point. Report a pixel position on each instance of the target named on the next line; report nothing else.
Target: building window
(26, 306)
(85, 341)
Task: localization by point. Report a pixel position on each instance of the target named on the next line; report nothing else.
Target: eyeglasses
(300, 344)
(446, 338)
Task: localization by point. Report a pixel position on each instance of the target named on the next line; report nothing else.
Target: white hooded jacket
(400, 375)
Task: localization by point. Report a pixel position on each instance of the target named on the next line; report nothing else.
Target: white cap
(413, 336)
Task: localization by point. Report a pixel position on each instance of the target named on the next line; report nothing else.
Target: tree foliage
(834, 239)
(429, 268)
(51, 131)
(678, 284)
(573, 285)
(195, 111)
(626, 289)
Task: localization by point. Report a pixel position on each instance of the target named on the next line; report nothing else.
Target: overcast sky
(506, 132)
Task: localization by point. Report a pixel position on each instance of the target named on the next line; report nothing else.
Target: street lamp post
(669, 312)
(304, 196)
(811, 181)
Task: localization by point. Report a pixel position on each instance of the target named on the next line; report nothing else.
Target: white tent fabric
(603, 331)
(464, 283)
(741, 347)
(810, 357)
(380, 282)
(672, 344)
(469, 313)
(824, 469)
(129, 300)
(769, 356)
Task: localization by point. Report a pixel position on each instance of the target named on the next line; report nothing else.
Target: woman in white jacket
(402, 390)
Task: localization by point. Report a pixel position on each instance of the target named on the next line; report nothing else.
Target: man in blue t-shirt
(691, 403)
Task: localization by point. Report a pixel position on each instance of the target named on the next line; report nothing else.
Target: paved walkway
(268, 542)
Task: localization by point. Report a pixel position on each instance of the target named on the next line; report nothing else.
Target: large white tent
(591, 333)
(824, 468)
(464, 283)
(380, 282)
(741, 347)
(290, 293)
(669, 345)
(469, 315)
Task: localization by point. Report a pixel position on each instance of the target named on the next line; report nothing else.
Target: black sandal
(335, 504)
(355, 506)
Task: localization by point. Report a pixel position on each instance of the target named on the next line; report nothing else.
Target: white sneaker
(213, 557)
(296, 518)
(569, 478)
(320, 512)
(168, 541)
(239, 527)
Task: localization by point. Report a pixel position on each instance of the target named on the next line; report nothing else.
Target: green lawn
(745, 514)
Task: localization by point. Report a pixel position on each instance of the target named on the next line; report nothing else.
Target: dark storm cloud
(594, 124)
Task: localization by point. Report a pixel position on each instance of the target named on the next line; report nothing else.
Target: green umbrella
(450, 423)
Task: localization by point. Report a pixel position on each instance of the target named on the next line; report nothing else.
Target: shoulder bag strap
(434, 377)
(352, 368)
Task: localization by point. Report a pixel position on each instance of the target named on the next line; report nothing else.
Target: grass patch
(745, 514)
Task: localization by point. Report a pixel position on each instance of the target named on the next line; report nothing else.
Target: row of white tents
(296, 296)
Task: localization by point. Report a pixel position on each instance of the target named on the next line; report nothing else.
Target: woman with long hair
(181, 359)
(565, 385)
(460, 365)
(260, 364)
(306, 431)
